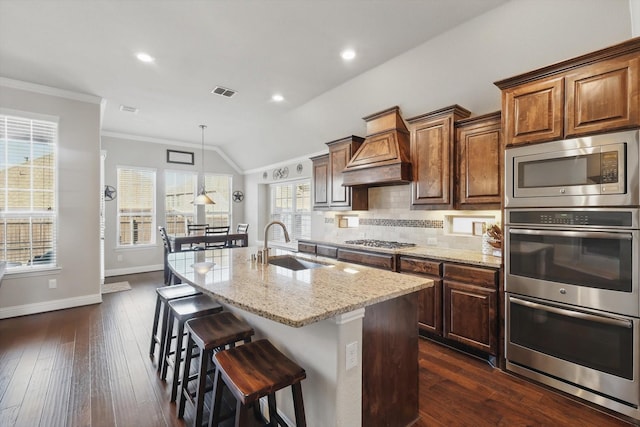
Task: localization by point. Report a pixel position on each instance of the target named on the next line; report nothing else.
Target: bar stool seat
(163, 295)
(181, 310)
(252, 371)
(208, 333)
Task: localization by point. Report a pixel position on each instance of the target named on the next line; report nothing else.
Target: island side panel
(390, 362)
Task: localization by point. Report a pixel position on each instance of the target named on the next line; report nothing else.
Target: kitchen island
(352, 328)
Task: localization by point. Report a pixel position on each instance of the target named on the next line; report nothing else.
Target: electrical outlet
(352, 355)
(53, 283)
(432, 241)
(119, 258)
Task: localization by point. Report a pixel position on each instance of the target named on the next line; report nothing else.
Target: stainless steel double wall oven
(572, 233)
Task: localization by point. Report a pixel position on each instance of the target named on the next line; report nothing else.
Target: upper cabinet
(479, 165)
(593, 93)
(329, 193)
(432, 155)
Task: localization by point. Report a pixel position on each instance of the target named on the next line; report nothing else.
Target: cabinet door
(470, 316)
(321, 182)
(479, 148)
(431, 151)
(533, 112)
(339, 157)
(603, 97)
(430, 308)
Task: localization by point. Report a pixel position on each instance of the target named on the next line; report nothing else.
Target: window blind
(180, 190)
(291, 204)
(136, 206)
(219, 189)
(28, 208)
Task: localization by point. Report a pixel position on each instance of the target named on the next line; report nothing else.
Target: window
(219, 189)
(291, 204)
(28, 196)
(136, 206)
(180, 189)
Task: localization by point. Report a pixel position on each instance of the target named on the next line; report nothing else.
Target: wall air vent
(128, 109)
(223, 91)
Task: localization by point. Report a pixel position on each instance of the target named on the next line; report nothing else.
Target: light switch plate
(352, 355)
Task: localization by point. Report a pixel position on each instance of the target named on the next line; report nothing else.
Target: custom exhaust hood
(383, 157)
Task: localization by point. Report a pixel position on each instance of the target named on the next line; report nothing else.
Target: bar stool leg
(154, 331)
(273, 418)
(165, 346)
(176, 364)
(298, 406)
(216, 401)
(185, 375)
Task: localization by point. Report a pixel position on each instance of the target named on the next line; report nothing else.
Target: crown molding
(48, 90)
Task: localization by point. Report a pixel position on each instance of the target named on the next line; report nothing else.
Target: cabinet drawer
(328, 251)
(386, 261)
(308, 248)
(420, 266)
(471, 275)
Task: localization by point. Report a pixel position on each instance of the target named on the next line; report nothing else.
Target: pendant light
(202, 198)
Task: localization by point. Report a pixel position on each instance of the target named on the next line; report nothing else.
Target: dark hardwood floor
(89, 366)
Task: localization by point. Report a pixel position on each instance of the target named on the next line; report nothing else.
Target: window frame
(152, 215)
(210, 210)
(194, 211)
(31, 214)
(275, 233)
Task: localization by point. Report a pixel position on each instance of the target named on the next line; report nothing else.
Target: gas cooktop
(380, 243)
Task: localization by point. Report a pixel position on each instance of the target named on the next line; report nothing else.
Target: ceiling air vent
(128, 109)
(223, 91)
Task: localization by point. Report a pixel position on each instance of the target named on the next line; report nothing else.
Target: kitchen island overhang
(313, 316)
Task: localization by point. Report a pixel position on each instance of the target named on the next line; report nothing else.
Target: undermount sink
(293, 263)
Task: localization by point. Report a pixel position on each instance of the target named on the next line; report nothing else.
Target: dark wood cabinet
(479, 168)
(432, 150)
(603, 96)
(371, 259)
(327, 251)
(320, 181)
(590, 94)
(470, 307)
(329, 193)
(429, 299)
(306, 247)
(461, 307)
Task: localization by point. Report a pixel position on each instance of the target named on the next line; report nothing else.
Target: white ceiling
(257, 47)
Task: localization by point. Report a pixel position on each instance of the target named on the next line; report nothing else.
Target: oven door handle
(624, 323)
(585, 234)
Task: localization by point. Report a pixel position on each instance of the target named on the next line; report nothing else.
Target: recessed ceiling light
(348, 54)
(145, 57)
(128, 109)
(277, 98)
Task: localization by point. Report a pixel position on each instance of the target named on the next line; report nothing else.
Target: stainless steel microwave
(600, 170)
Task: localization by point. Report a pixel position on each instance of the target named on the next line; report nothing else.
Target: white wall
(130, 152)
(78, 279)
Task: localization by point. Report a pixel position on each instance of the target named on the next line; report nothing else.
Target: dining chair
(240, 229)
(196, 230)
(217, 231)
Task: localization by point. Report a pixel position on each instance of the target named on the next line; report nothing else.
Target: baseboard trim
(42, 307)
(133, 270)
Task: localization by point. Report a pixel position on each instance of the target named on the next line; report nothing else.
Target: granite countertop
(293, 298)
(432, 252)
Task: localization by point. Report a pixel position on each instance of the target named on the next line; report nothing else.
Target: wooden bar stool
(181, 310)
(252, 371)
(208, 333)
(163, 295)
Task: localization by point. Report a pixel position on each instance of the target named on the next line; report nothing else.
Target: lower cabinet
(371, 259)
(461, 306)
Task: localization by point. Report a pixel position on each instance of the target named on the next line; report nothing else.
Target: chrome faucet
(265, 251)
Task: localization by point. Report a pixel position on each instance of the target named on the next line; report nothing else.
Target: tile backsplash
(390, 218)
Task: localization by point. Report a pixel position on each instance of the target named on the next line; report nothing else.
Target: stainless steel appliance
(599, 170)
(573, 301)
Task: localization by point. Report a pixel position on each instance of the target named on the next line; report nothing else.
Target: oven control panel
(604, 218)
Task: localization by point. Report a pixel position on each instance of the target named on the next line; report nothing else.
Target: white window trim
(153, 214)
